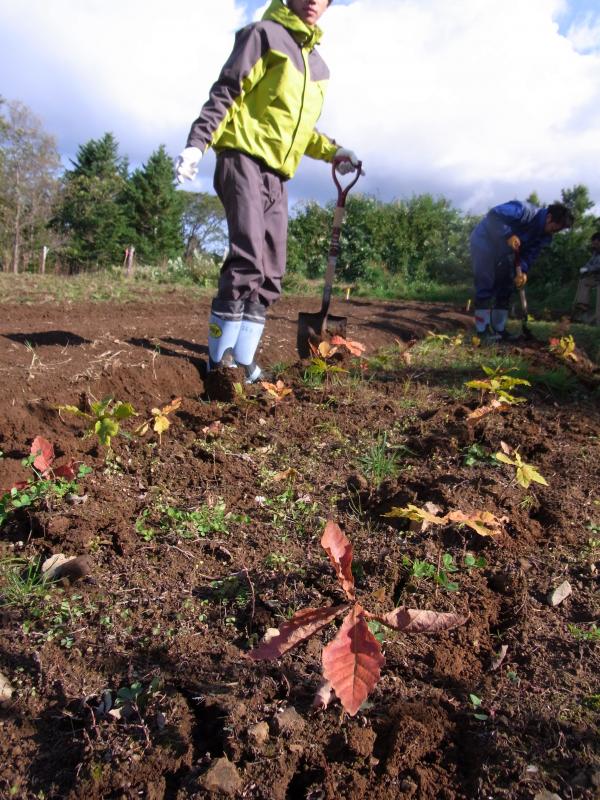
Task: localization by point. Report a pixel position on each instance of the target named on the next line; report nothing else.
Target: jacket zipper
(305, 62)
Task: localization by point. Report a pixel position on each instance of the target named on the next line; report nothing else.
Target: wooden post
(43, 260)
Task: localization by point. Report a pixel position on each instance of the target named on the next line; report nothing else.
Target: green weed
(379, 463)
(22, 584)
(423, 570)
(163, 520)
(592, 634)
(476, 455)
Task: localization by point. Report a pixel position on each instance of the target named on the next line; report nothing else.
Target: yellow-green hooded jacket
(269, 95)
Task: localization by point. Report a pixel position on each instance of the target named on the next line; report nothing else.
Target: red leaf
(339, 550)
(356, 348)
(352, 661)
(44, 452)
(302, 625)
(416, 620)
(65, 471)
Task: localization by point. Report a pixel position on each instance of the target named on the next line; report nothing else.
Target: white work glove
(186, 164)
(344, 167)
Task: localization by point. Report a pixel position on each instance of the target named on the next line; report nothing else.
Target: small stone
(222, 776)
(259, 733)
(289, 722)
(545, 795)
(59, 566)
(6, 690)
(596, 780)
(559, 594)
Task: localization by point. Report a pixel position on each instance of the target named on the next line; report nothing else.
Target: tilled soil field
(128, 676)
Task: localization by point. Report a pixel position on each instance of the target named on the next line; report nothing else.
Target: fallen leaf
(356, 348)
(303, 624)
(44, 454)
(66, 471)
(496, 406)
(415, 620)
(287, 474)
(482, 522)
(172, 406)
(352, 661)
(339, 550)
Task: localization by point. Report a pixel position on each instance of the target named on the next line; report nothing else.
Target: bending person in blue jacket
(507, 229)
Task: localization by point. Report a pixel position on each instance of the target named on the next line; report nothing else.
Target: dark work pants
(493, 274)
(255, 201)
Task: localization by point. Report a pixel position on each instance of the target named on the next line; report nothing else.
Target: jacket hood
(305, 35)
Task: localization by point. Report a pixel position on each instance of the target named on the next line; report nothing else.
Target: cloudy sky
(476, 100)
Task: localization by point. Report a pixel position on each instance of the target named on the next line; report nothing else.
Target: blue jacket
(522, 219)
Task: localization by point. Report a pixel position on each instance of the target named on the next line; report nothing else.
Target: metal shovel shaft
(313, 328)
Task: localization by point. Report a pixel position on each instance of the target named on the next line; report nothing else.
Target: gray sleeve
(250, 46)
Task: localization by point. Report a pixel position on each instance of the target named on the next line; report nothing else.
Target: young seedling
(443, 338)
(499, 384)
(441, 574)
(564, 347)
(104, 418)
(526, 474)
(476, 455)
(47, 481)
(276, 391)
(159, 421)
(352, 661)
(476, 706)
(483, 523)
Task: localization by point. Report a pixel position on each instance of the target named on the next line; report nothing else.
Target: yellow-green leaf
(105, 429)
(161, 423)
(74, 410)
(526, 474)
(124, 411)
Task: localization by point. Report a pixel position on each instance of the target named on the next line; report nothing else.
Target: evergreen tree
(155, 209)
(92, 213)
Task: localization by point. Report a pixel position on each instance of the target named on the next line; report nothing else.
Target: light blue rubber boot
(482, 319)
(251, 331)
(499, 319)
(222, 336)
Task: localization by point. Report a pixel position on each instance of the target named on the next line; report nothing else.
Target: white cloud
(477, 100)
(584, 33)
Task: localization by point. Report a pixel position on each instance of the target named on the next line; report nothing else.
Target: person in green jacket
(260, 119)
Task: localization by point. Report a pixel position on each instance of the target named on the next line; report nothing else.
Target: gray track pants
(255, 201)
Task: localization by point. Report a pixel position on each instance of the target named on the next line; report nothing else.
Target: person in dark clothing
(513, 229)
(260, 119)
(588, 281)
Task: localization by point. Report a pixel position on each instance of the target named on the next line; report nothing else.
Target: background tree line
(89, 214)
